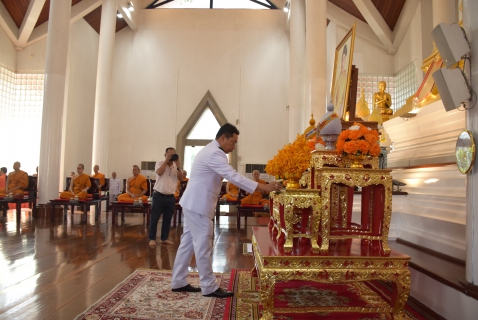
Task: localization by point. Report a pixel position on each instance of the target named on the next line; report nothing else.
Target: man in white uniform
(115, 187)
(199, 203)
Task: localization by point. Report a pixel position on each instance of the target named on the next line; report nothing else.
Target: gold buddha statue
(383, 101)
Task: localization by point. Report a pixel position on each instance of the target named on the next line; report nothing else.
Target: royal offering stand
(311, 236)
(343, 264)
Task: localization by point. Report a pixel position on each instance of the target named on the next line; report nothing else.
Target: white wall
(162, 71)
(367, 57)
(32, 58)
(8, 54)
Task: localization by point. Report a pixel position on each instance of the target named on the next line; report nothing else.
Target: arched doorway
(200, 129)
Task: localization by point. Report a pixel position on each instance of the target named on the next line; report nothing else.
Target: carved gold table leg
(400, 293)
(267, 282)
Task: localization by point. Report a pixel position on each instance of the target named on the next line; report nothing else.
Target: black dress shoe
(220, 293)
(188, 288)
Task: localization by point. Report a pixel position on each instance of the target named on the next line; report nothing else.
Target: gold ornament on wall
(362, 110)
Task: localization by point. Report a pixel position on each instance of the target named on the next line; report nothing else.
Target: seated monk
(79, 185)
(178, 186)
(17, 181)
(232, 191)
(136, 187)
(256, 197)
(99, 176)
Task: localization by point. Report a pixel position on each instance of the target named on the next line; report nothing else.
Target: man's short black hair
(4, 169)
(228, 130)
(169, 148)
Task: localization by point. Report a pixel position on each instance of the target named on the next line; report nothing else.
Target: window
(21, 105)
(212, 4)
(400, 87)
(206, 127)
(203, 132)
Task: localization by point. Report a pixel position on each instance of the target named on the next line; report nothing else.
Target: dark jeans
(161, 205)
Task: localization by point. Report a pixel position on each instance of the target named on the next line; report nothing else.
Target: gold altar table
(345, 263)
(376, 207)
(329, 158)
(295, 213)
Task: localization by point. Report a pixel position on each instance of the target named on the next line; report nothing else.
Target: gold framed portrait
(342, 71)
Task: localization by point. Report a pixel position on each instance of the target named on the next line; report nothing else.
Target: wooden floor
(56, 270)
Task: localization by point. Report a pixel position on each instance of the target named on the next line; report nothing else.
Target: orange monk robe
(15, 179)
(178, 187)
(3, 180)
(79, 184)
(232, 189)
(256, 197)
(101, 178)
(136, 186)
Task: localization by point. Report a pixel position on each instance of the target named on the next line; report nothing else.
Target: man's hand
(273, 186)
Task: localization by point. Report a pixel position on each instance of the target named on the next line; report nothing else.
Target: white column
(443, 11)
(297, 68)
(470, 24)
(316, 59)
(103, 85)
(54, 100)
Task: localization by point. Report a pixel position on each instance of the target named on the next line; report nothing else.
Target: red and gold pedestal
(376, 207)
(345, 263)
(295, 213)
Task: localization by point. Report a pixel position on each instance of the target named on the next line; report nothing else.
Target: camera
(174, 157)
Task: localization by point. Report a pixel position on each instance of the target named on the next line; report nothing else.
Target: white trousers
(197, 239)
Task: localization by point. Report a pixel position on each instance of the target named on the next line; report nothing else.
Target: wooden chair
(93, 199)
(245, 209)
(122, 206)
(106, 195)
(178, 210)
(29, 196)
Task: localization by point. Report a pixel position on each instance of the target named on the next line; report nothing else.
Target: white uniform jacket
(209, 168)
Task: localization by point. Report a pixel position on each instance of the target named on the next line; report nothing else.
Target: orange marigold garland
(358, 139)
(292, 160)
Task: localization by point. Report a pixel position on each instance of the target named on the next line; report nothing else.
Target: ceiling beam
(128, 16)
(377, 23)
(78, 11)
(346, 20)
(279, 3)
(29, 21)
(9, 26)
(404, 20)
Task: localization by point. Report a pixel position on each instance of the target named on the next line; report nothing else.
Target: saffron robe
(101, 178)
(79, 184)
(136, 185)
(15, 179)
(232, 189)
(256, 197)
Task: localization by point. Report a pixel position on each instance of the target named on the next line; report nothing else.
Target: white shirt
(209, 168)
(167, 182)
(115, 186)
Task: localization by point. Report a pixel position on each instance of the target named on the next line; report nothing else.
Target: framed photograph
(342, 70)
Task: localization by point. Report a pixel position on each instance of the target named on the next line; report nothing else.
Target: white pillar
(443, 11)
(316, 59)
(54, 100)
(103, 85)
(297, 68)
(470, 25)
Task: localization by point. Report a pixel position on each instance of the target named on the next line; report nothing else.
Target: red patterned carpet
(146, 294)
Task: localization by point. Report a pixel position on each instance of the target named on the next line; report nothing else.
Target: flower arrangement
(291, 161)
(313, 141)
(359, 140)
